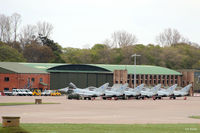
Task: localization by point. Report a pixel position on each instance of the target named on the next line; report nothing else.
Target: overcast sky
(83, 23)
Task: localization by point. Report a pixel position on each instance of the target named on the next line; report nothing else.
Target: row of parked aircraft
(122, 91)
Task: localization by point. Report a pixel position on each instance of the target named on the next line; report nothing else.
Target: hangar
(55, 76)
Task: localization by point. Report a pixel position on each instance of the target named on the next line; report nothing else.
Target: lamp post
(134, 55)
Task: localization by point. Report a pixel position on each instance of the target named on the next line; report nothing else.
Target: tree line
(33, 43)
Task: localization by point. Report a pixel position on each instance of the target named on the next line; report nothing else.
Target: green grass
(13, 104)
(195, 117)
(107, 128)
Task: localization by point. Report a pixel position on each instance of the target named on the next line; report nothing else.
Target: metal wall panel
(81, 80)
(92, 79)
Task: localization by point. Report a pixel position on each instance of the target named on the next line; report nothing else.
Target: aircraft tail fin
(156, 88)
(72, 85)
(139, 88)
(186, 88)
(172, 88)
(123, 87)
(102, 88)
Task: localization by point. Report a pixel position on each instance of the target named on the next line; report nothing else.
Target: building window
(6, 89)
(32, 79)
(6, 79)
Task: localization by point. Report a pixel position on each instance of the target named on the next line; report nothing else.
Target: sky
(83, 23)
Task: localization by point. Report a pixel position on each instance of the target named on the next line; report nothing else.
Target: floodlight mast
(135, 55)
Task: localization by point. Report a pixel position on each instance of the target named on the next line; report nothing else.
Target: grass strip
(110, 128)
(194, 117)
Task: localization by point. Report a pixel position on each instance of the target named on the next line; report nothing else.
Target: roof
(19, 67)
(140, 69)
(15, 67)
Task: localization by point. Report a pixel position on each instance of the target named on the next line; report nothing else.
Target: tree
(16, 19)
(9, 54)
(27, 35)
(44, 29)
(170, 37)
(123, 39)
(5, 26)
(37, 53)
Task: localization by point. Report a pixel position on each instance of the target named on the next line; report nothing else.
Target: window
(41, 79)
(6, 79)
(6, 89)
(32, 79)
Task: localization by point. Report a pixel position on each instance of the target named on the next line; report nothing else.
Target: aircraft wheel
(116, 98)
(154, 98)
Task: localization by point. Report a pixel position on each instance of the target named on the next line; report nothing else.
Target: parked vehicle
(46, 93)
(8, 93)
(36, 92)
(55, 93)
(24, 93)
(29, 93)
(17, 92)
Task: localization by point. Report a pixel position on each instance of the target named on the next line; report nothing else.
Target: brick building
(15, 75)
(55, 76)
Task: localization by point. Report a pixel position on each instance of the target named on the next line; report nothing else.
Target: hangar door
(81, 80)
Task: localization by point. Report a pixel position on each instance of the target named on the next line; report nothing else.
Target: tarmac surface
(102, 111)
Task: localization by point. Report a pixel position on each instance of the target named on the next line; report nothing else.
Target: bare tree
(6, 30)
(16, 19)
(2, 26)
(123, 39)
(28, 34)
(170, 37)
(44, 29)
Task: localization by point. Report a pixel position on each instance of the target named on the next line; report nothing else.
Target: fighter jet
(86, 93)
(116, 91)
(166, 92)
(133, 92)
(150, 92)
(183, 92)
